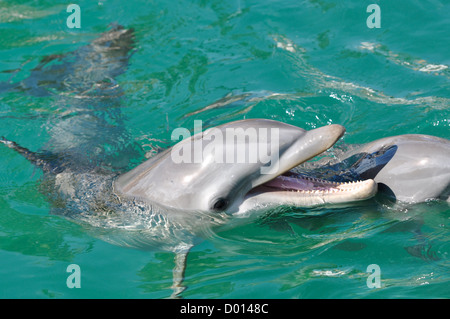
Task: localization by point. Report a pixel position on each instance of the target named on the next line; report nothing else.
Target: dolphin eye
(220, 204)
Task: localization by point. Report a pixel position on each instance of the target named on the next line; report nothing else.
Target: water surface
(307, 63)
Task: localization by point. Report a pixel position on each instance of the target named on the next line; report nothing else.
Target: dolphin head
(412, 168)
(238, 166)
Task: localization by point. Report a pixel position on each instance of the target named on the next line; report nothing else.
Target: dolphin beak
(318, 140)
(308, 145)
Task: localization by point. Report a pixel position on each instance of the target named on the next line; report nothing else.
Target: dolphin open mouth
(305, 191)
(288, 188)
(311, 185)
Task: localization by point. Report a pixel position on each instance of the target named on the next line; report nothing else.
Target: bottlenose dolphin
(411, 168)
(167, 205)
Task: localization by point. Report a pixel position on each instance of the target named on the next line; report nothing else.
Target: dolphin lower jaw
(303, 191)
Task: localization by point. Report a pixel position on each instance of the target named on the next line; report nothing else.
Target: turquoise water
(307, 63)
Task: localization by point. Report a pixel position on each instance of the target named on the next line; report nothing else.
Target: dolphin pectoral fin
(178, 275)
(29, 155)
(45, 161)
(178, 272)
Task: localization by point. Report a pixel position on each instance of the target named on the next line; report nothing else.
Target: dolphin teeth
(320, 187)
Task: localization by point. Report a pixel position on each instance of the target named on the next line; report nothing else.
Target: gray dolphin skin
(231, 172)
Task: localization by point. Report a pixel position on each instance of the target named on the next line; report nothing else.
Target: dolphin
(165, 204)
(409, 168)
(412, 168)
